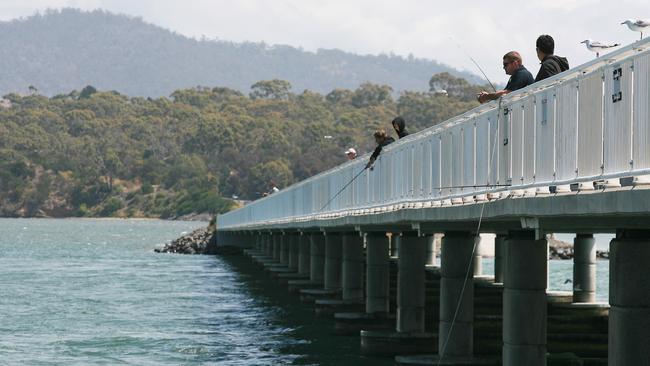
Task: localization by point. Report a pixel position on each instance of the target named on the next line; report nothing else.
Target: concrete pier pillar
(294, 251)
(277, 247)
(257, 242)
(333, 263)
(377, 274)
(524, 300)
(584, 268)
(431, 250)
(268, 241)
(477, 263)
(499, 257)
(394, 244)
(304, 260)
(410, 283)
(317, 258)
(284, 249)
(629, 298)
(455, 336)
(352, 271)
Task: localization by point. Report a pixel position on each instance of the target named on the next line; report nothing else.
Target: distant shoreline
(103, 218)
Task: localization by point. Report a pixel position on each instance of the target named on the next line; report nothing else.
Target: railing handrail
(553, 83)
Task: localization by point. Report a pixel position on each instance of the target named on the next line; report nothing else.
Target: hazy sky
(430, 29)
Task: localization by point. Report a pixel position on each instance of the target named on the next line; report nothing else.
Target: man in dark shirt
(520, 77)
(551, 64)
(382, 139)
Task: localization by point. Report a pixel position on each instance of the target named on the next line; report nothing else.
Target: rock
(195, 242)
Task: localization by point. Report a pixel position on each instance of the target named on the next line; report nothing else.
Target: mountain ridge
(67, 49)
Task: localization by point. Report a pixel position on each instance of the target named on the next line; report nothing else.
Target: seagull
(595, 46)
(637, 25)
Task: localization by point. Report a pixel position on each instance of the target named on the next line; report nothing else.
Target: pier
(570, 154)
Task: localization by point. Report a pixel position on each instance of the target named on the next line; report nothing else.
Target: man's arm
(484, 96)
(374, 156)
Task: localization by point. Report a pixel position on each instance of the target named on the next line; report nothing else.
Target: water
(561, 273)
(92, 292)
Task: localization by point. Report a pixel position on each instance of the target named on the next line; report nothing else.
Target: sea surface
(93, 292)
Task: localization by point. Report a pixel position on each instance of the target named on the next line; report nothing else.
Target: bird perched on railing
(637, 25)
(595, 46)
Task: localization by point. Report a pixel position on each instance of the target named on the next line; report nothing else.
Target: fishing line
(473, 61)
(476, 186)
(342, 189)
(476, 241)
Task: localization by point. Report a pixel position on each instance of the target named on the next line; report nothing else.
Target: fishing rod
(474, 62)
(342, 189)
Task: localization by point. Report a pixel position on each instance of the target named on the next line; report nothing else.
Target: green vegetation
(97, 153)
(62, 50)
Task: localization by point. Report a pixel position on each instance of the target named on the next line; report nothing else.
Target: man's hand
(483, 97)
(369, 165)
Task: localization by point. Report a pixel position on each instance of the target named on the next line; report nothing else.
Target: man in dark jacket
(551, 64)
(520, 77)
(382, 139)
(399, 126)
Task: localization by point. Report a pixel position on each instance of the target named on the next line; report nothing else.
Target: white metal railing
(586, 124)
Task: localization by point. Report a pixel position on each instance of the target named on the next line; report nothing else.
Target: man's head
(351, 153)
(380, 136)
(545, 46)
(398, 124)
(511, 62)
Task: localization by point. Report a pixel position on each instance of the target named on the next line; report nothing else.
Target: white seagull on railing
(595, 46)
(637, 25)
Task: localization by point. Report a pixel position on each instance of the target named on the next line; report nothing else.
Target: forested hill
(68, 49)
(101, 153)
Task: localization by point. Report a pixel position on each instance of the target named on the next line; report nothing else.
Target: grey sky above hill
(424, 28)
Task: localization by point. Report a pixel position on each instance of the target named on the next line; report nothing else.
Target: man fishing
(520, 77)
(382, 139)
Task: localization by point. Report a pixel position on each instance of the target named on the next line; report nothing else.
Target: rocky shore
(559, 249)
(195, 242)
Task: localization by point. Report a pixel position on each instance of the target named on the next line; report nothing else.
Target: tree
(274, 171)
(87, 92)
(340, 96)
(185, 153)
(368, 94)
(112, 166)
(454, 86)
(271, 89)
(422, 110)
